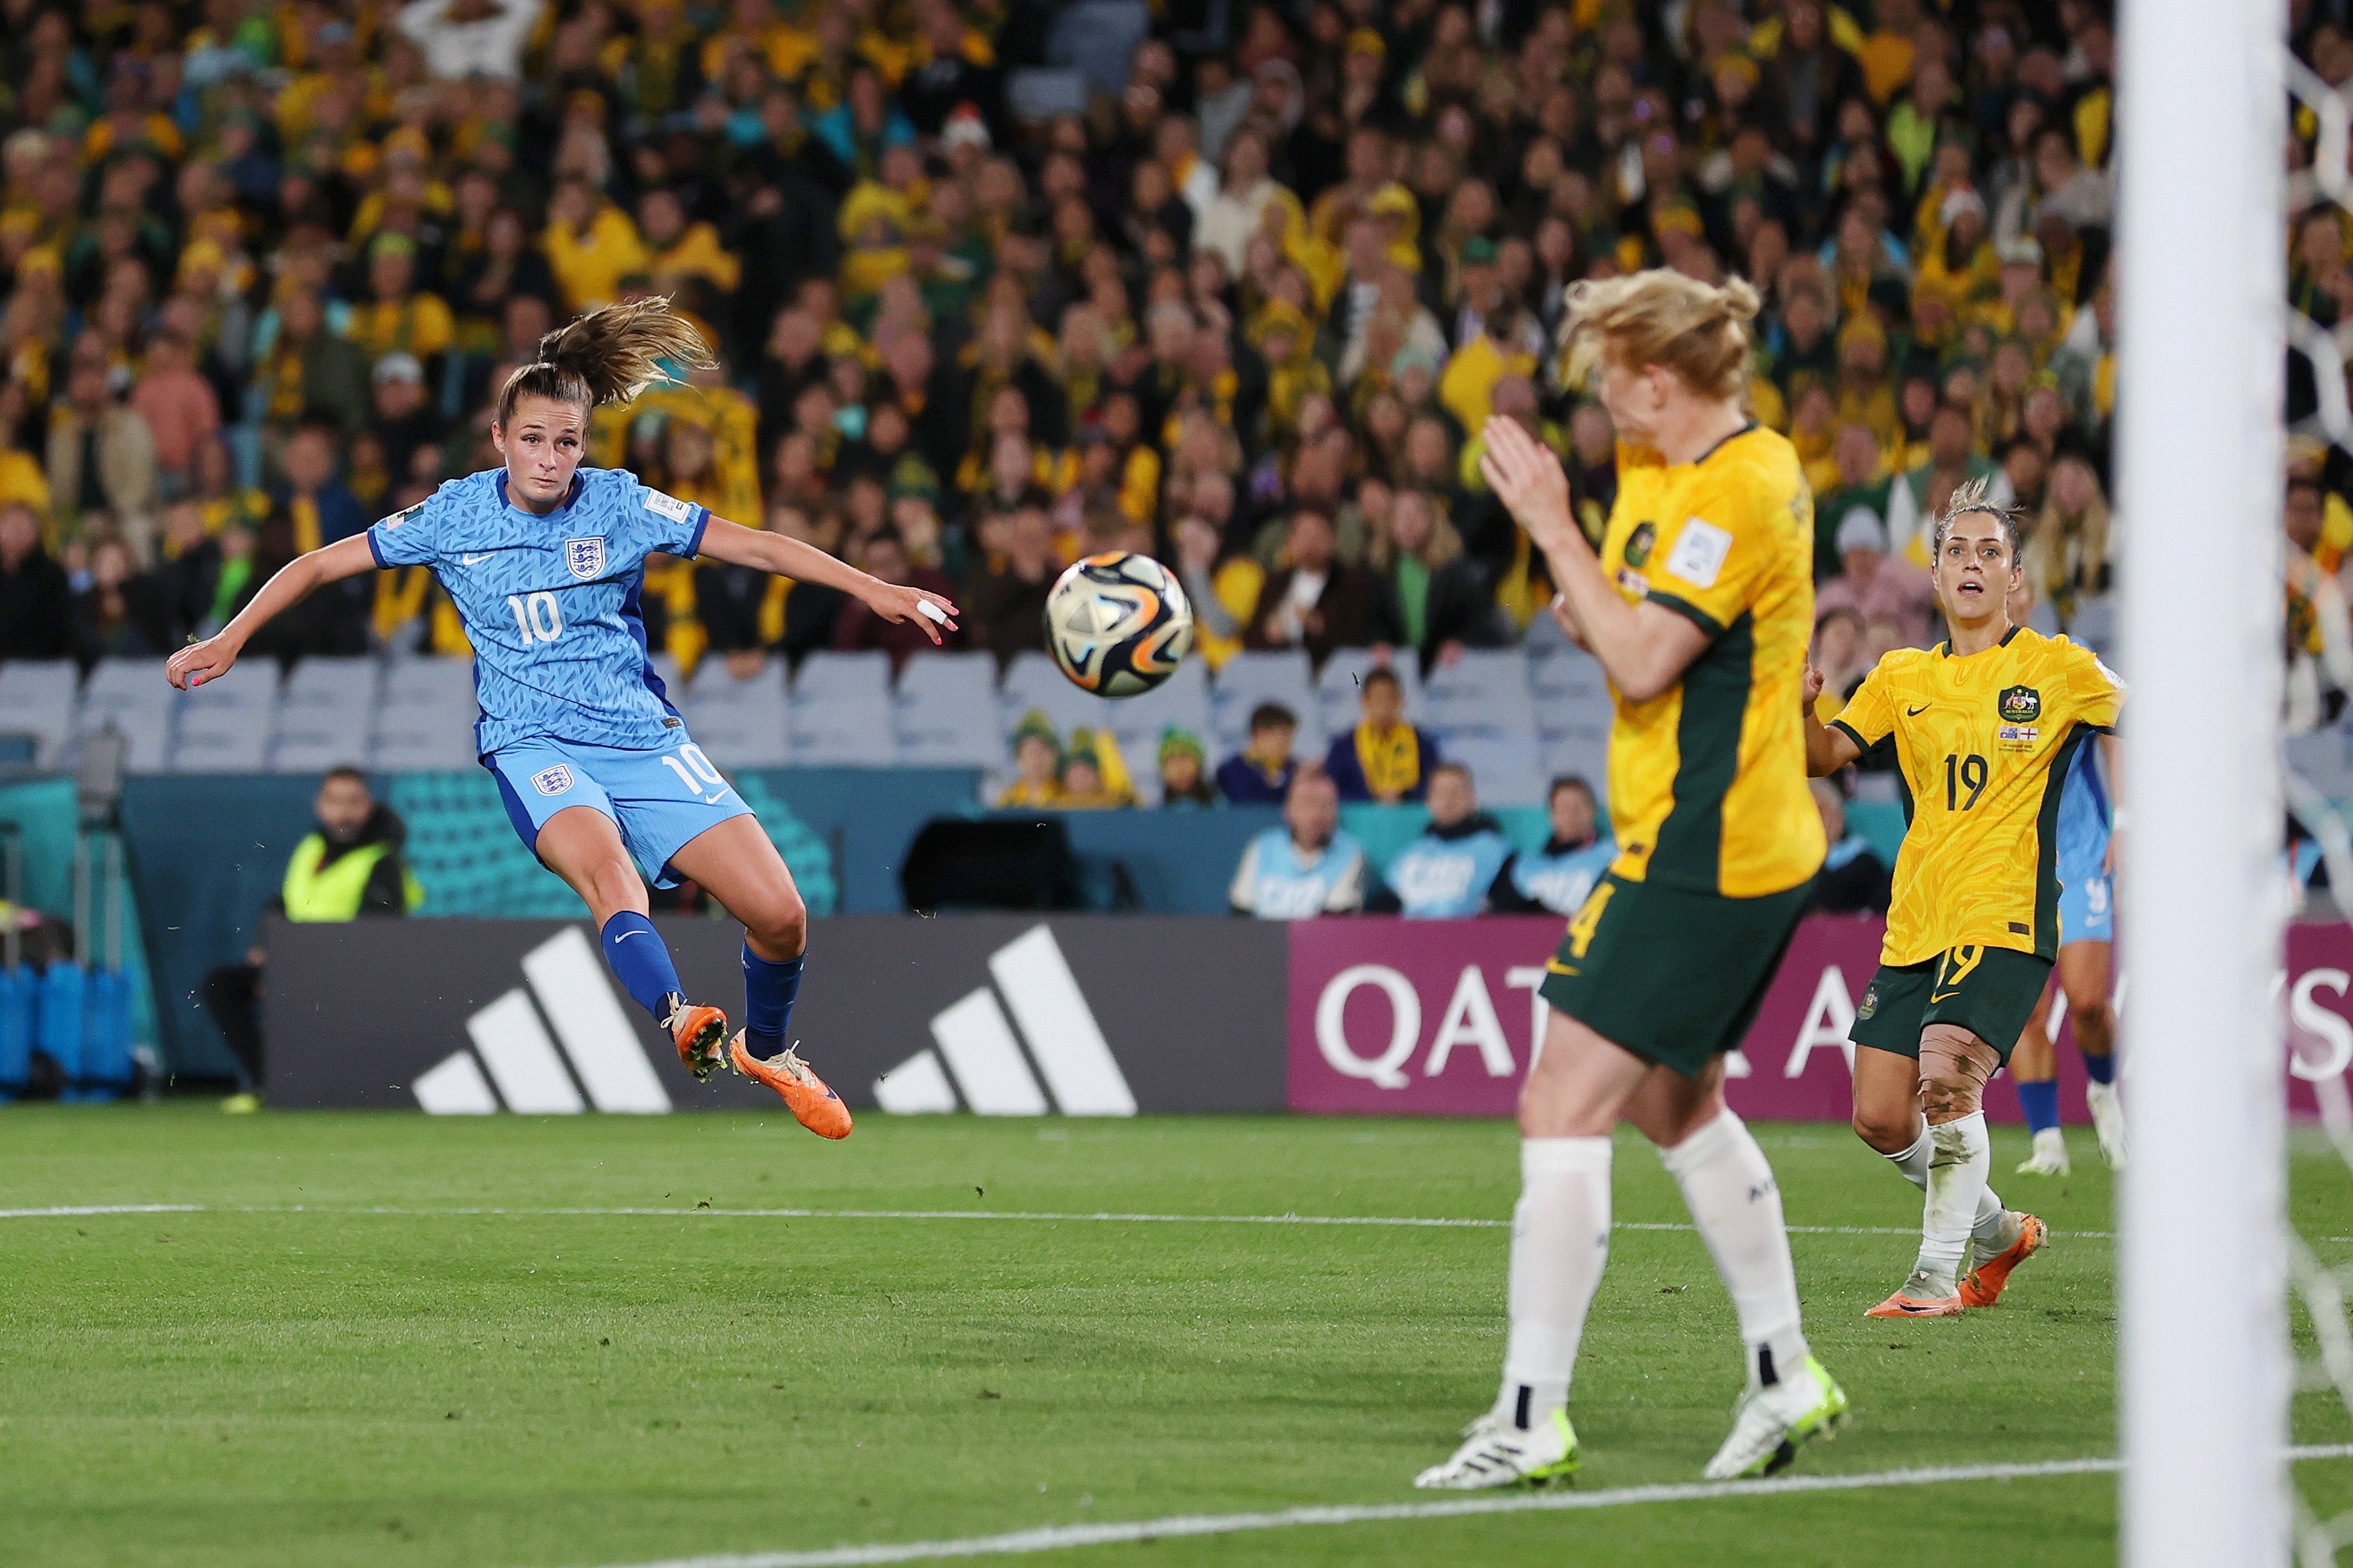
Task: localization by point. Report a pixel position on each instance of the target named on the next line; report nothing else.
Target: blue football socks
(2040, 1103)
(769, 989)
(641, 959)
(2101, 1069)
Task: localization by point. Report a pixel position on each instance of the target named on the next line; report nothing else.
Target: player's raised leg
(2034, 1068)
(581, 844)
(1728, 1186)
(737, 865)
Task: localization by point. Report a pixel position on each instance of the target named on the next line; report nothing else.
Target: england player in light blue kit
(545, 562)
(2086, 856)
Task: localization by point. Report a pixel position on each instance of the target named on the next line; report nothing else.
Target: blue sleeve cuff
(375, 548)
(701, 526)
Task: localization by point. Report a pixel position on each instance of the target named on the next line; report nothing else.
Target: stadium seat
(1484, 691)
(1250, 678)
(2324, 759)
(1573, 706)
(424, 719)
(1341, 684)
(37, 698)
(1504, 768)
(840, 711)
(132, 694)
(738, 723)
(1035, 680)
(225, 727)
(1182, 700)
(324, 711)
(1585, 756)
(945, 712)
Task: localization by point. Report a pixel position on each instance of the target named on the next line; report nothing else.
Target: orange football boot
(696, 1031)
(1911, 1300)
(813, 1105)
(1982, 1286)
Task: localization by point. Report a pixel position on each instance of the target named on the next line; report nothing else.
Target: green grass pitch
(284, 1379)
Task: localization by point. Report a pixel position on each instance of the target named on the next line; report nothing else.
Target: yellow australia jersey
(1984, 743)
(1707, 780)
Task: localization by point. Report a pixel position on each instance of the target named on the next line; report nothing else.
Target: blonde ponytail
(608, 355)
(1697, 330)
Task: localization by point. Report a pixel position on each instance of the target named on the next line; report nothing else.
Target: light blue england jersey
(1561, 882)
(2082, 835)
(550, 601)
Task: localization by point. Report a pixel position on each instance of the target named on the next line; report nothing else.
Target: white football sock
(1560, 1243)
(1914, 1163)
(1735, 1202)
(1957, 1190)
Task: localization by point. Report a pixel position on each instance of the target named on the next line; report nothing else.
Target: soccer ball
(1118, 624)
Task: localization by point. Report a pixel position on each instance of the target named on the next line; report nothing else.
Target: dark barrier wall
(207, 851)
(1086, 1015)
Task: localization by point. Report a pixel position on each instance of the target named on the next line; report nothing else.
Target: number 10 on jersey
(536, 617)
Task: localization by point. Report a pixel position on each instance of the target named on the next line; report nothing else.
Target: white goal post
(2198, 464)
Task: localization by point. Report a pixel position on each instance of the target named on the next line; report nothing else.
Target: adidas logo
(975, 1043)
(526, 1068)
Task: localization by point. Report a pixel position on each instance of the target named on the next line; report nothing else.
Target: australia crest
(555, 780)
(585, 558)
(1638, 544)
(2020, 705)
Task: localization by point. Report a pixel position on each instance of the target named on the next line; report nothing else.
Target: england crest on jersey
(585, 558)
(555, 780)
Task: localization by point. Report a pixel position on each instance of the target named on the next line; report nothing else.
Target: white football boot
(2107, 1121)
(1773, 1421)
(2050, 1156)
(1495, 1453)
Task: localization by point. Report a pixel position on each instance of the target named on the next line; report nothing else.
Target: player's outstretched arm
(741, 546)
(1644, 648)
(210, 660)
(1827, 750)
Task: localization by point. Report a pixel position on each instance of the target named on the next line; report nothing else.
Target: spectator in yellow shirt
(683, 250)
(591, 244)
(398, 319)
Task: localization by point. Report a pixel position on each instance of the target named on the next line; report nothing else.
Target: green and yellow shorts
(1988, 990)
(1672, 976)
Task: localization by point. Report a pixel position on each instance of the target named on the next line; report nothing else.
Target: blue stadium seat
(1585, 756)
(1035, 680)
(424, 719)
(840, 711)
(1505, 769)
(324, 711)
(1183, 700)
(738, 723)
(37, 698)
(224, 727)
(1484, 691)
(1573, 704)
(945, 712)
(1249, 678)
(131, 694)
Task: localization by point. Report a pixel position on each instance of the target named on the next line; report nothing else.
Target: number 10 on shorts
(695, 772)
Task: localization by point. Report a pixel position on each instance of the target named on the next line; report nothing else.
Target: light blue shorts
(661, 799)
(2086, 904)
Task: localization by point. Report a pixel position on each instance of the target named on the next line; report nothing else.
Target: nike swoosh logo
(1933, 997)
(1916, 713)
(1919, 1307)
(627, 934)
(474, 559)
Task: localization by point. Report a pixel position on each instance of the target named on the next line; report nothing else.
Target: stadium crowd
(264, 265)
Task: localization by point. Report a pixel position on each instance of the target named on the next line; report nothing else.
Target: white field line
(1396, 1221)
(1392, 1221)
(64, 1212)
(1051, 1537)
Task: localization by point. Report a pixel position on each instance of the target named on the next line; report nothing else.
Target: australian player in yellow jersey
(1986, 726)
(1699, 607)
